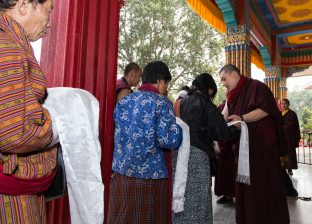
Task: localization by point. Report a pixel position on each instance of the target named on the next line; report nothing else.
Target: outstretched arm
(252, 116)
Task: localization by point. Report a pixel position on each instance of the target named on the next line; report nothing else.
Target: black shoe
(224, 200)
(293, 193)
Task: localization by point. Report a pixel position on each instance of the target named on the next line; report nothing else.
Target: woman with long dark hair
(206, 125)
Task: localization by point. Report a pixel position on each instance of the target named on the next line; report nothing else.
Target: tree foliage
(306, 118)
(300, 102)
(170, 31)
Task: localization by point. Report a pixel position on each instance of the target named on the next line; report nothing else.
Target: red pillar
(81, 51)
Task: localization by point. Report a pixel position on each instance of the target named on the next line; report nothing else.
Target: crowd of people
(215, 150)
(146, 134)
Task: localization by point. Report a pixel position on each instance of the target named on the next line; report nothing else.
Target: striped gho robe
(25, 127)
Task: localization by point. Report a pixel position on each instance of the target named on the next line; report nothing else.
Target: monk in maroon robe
(292, 133)
(248, 100)
(131, 78)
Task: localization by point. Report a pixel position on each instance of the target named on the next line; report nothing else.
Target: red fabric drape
(81, 51)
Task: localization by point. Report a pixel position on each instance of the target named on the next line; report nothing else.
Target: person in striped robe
(27, 162)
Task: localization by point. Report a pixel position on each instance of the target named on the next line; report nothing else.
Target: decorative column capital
(237, 49)
(272, 71)
(239, 34)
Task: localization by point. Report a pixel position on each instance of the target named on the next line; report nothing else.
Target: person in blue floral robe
(145, 127)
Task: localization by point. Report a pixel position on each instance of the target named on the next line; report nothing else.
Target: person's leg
(289, 187)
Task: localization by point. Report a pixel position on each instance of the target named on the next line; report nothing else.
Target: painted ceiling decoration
(300, 39)
(290, 19)
(281, 30)
(282, 13)
(291, 23)
(292, 11)
(300, 57)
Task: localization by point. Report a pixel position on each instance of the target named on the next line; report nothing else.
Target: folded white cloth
(75, 117)
(180, 176)
(181, 94)
(243, 171)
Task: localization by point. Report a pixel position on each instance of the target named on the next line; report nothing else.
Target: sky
(300, 80)
(257, 73)
(299, 83)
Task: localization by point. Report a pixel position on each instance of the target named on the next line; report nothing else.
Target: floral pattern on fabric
(144, 127)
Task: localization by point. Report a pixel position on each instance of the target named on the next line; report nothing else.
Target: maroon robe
(292, 134)
(226, 171)
(264, 201)
(227, 165)
(122, 84)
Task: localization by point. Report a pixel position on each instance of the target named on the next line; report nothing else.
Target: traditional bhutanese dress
(144, 127)
(25, 129)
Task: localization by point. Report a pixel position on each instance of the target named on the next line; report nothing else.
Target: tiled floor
(300, 211)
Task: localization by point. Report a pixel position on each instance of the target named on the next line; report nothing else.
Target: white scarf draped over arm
(180, 175)
(75, 117)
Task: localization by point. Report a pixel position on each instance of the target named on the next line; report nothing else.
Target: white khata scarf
(243, 171)
(181, 172)
(75, 117)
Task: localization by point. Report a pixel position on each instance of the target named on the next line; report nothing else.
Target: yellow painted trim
(300, 39)
(208, 12)
(257, 59)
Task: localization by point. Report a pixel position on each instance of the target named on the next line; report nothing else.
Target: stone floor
(300, 211)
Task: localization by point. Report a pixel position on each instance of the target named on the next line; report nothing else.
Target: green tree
(298, 100)
(170, 31)
(306, 117)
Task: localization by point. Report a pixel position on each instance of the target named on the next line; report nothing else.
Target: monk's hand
(235, 118)
(284, 159)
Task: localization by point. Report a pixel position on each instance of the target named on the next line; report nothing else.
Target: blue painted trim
(227, 11)
(265, 56)
(294, 33)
